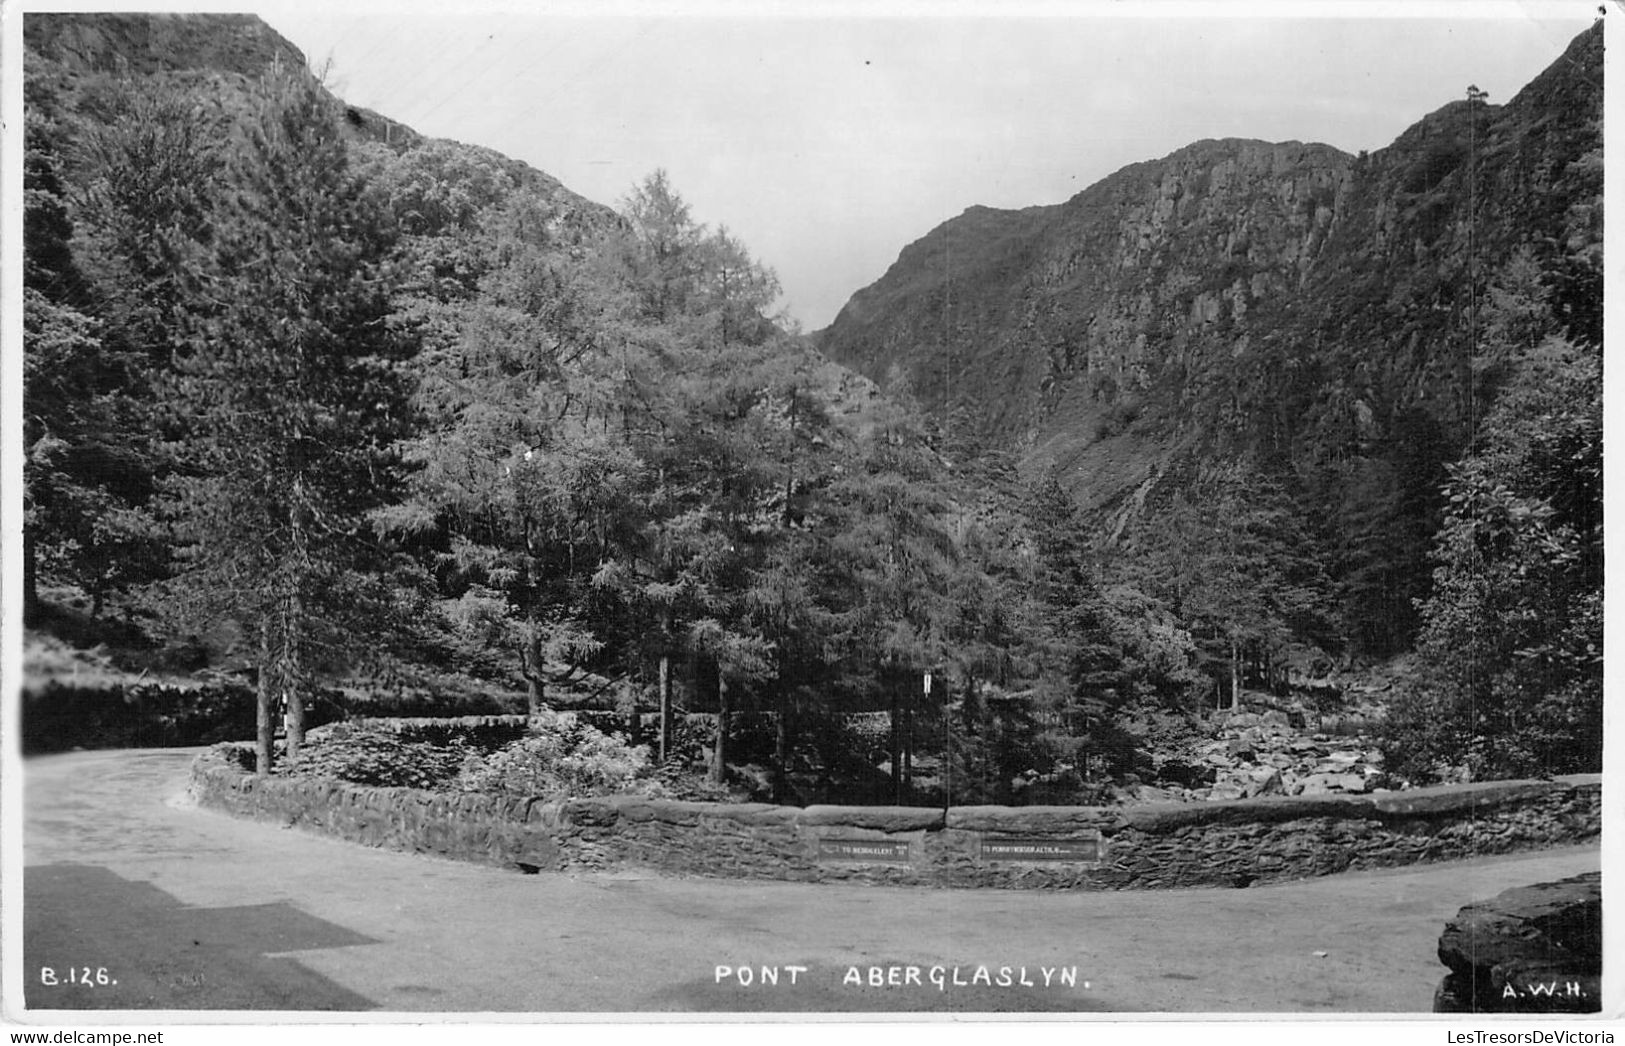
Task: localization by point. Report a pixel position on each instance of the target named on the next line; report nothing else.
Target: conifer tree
(116, 221)
(287, 393)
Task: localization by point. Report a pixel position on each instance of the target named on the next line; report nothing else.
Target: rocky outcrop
(1533, 949)
(1064, 313)
(1327, 279)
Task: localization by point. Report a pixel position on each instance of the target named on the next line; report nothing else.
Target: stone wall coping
(1416, 802)
(1039, 820)
(884, 818)
(1147, 847)
(1437, 800)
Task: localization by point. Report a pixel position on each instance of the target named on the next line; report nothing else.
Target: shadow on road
(95, 941)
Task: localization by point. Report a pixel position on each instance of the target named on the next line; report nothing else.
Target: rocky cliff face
(1285, 299)
(1127, 275)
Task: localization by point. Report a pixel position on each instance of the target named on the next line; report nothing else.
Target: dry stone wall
(1060, 847)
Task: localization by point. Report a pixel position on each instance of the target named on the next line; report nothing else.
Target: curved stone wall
(1066, 847)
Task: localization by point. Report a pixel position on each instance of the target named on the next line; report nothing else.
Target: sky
(829, 136)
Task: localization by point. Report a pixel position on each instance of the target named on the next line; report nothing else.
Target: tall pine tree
(288, 385)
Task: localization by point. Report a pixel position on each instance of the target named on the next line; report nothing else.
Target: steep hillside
(1052, 329)
(1285, 302)
(76, 60)
(1001, 310)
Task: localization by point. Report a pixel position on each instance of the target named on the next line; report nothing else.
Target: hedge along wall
(1156, 845)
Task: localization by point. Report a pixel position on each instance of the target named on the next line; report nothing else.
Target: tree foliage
(1512, 634)
(1233, 560)
(286, 394)
(353, 404)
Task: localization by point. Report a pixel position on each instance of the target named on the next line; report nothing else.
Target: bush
(481, 735)
(381, 759)
(560, 759)
(675, 782)
(1432, 733)
(58, 717)
(421, 705)
(237, 756)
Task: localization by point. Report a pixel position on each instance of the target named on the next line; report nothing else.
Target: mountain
(1143, 310)
(1044, 327)
(73, 58)
(1311, 311)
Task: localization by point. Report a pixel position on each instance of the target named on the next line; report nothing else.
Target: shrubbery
(382, 759)
(559, 758)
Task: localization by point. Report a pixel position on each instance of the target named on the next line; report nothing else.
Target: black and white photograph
(805, 514)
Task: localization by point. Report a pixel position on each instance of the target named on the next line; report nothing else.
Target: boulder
(1149, 794)
(1266, 780)
(1531, 949)
(1326, 784)
(1347, 782)
(1338, 763)
(1185, 775)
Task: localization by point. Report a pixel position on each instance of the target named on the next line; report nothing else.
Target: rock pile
(1269, 753)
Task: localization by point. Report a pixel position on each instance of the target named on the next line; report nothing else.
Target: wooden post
(781, 750)
(264, 728)
(948, 744)
(896, 741)
(294, 681)
(908, 748)
(719, 773)
(1235, 676)
(665, 707)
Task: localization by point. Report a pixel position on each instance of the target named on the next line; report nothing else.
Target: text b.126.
(94, 977)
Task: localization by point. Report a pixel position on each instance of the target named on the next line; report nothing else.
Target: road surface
(160, 905)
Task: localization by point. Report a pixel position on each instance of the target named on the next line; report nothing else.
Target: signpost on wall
(865, 851)
(1084, 848)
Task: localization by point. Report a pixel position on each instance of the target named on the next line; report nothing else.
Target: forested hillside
(1312, 314)
(312, 397)
(1310, 360)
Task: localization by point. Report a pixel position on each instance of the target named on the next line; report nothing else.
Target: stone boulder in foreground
(1531, 949)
